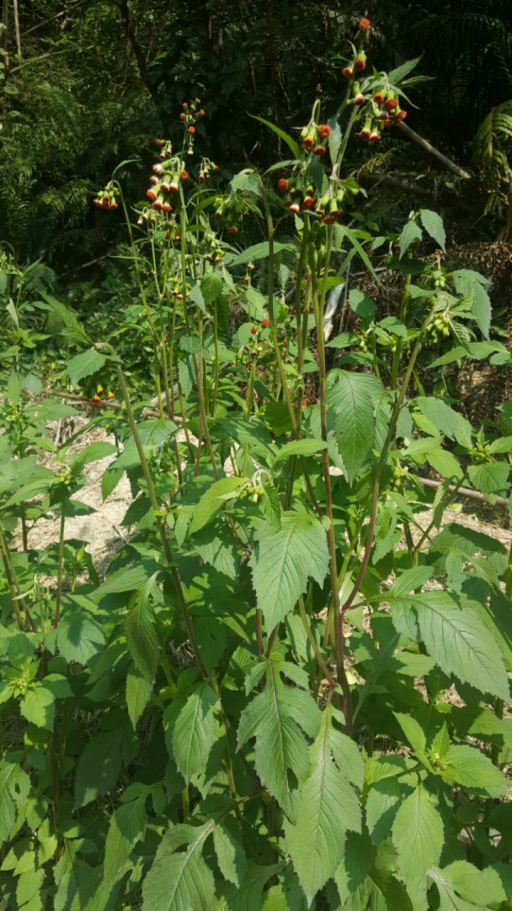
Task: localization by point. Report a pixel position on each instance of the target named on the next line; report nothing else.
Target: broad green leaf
(446, 420)
(433, 224)
(138, 694)
(98, 767)
(14, 789)
(410, 579)
(350, 396)
(382, 804)
(362, 305)
(194, 731)
(471, 284)
(270, 505)
(445, 463)
(126, 828)
(475, 350)
(284, 559)
(357, 862)
(490, 478)
(250, 895)
(79, 636)
(141, 635)
(470, 768)
(217, 546)
(394, 325)
(414, 735)
(92, 453)
(38, 706)
(128, 579)
(304, 447)
(85, 364)
(275, 718)
(418, 834)
(211, 286)
(409, 234)
(259, 251)
(247, 181)
(213, 500)
(179, 881)
(230, 853)
(461, 880)
(328, 806)
(459, 641)
(395, 76)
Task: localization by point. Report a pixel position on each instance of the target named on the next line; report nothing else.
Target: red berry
(151, 194)
(304, 403)
(400, 116)
(185, 105)
(183, 116)
(191, 130)
(364, 24)
(359, 64)
(360, 99)
(308, 202)
(365, 134)
(265, 323)
(379, 97)
(308, 142)
(391, 104)
(324, 130)
(232, 229)
(319, 150)
(254, 330)
(184, 175)
(201, 113)
(347, 72)
(283, 185)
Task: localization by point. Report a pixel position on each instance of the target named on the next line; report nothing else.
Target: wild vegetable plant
(288, 691)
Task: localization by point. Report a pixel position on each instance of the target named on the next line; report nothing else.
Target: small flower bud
(283, 185)
(360, 63)
(390, 104)
(265, 323)
(364, 25)
(359, 99)
(324, 130)
(347, 72)
(254, 330)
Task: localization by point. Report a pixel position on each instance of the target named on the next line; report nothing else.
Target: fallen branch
(463, 491)
(451, 165)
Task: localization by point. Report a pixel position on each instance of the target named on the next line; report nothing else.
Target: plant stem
(313, 643)
(14, 585)
(60, 565)
(182, 604)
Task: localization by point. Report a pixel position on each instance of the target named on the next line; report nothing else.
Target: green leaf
(179, 881)
(79, 636)
(461, 880)
(211, 286)
(98, 767)
(492, 477)
(470, 768)
(304, 447)
(415, 736)
(217, 546)
(213, 500)
(270, 505)
(328, 806)
(141, 635)
(475, 350)
(275, 718)
(446, 420)
(138, 694)
(433, 224)
(85, 364)
(259, 251)
(383, 801)
(230, 853)
(470, 284)
(350, 396)
(38, 706)
(284, 559)
(418, 834)
(445, 463)
(293, 146)
(194, 731)
(460, 642)
(410, 579)
(409, 234)
(394, 325)
(395, 76)
(126, 829)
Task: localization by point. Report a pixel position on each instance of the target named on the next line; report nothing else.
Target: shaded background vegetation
(89, 83)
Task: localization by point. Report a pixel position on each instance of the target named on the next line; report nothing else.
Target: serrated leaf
(410, 233)
(230, 853)
(382, 804)
(213, 501)
(85, 364)
(446, 420)
(194, 731)
(350, 397)
(459, 641)
(418, 834)
(211, 286)
(304, 447)
(138, 693)
(98, 767)
(259, 251)
(179, 881)
(492, 477)
(461, 880)
(270, 505)
(395, 76)
(275, 718)
(38, 707)
(328, 806)
(141, 635)
(126, 829)
(470, 768)
(445, 463)
(433, 224)
(283, 560)
(79, 636)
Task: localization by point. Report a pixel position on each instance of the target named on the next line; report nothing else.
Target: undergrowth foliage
(288, 689)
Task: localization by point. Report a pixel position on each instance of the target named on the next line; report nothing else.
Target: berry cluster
(206, 168)
(359, 61)
(260, 347)
(230, 210)
(167, 175)
(96, 396)
(189, 115)
(106, 199)
(313, 137)
(301, 198)
(383, 110)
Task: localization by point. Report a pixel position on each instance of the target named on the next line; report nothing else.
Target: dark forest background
(87, 84)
